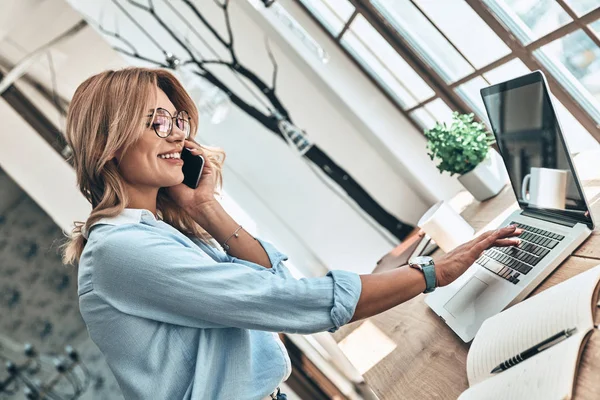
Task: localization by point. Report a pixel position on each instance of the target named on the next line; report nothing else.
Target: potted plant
(464, 148)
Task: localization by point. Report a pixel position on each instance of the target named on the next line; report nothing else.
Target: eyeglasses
(163, 122)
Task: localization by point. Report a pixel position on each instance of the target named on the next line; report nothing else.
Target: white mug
(446, 227)
(547, 187)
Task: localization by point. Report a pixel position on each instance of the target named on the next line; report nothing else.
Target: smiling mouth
(173, 160)
(171, 156)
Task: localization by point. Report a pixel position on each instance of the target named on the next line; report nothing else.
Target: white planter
(487, 179)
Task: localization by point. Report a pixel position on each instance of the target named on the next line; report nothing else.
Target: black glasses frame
(178, 115)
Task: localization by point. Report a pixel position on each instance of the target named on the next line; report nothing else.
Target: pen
(532, 351)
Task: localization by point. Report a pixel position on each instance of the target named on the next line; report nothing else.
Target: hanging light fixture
(212, 102)
(295, 137)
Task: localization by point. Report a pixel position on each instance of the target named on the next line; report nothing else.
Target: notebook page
(546, 376)
(526, 324)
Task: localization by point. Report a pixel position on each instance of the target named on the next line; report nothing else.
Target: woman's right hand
(455, 263)
(193, 200)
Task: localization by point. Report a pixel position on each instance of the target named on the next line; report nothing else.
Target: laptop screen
(533, 147)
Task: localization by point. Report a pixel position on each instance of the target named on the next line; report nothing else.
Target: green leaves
(459, 147)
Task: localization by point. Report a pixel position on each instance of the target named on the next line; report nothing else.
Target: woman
(176, 317)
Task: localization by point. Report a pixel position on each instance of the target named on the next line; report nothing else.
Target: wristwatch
(426, 265)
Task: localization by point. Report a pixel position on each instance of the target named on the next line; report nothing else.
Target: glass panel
(510, 70)
(486, 49)
(384, 64)
(578, 138)
(440, 110)
(435, 111)
(333, 14)
(582, 7)
(575, 62)
(422, 36)
(530, 19)
(596, 27)
(423, 118)
(470, 92)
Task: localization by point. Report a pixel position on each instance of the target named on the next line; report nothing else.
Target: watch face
(422, 260)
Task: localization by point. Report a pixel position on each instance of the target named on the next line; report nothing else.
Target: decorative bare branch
(149, 8)
(276, 112)
(140, 57)
(235, 67)
(117, 36)
(206, 23)
(133, 53)
(229, 32)
(136, 23)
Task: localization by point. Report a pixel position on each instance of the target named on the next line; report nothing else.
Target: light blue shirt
(179, 319)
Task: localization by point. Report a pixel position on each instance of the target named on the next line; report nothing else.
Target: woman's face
(141, 166)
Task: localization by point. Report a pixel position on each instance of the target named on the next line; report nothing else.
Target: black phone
(192, 168)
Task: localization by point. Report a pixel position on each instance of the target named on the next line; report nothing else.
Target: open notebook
(549, 374)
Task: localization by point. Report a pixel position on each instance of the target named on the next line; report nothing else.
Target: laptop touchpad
(464, 298)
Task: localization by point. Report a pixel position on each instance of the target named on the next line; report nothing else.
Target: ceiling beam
(34, 117)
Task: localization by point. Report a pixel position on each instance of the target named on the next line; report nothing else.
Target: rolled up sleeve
(346, 291)
(143, 272)
(346, 285)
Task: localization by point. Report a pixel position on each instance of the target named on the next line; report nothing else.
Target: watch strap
(430, 279)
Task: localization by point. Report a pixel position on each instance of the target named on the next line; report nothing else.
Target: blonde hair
(107, 113)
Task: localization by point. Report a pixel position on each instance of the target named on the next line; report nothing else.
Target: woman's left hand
(194, 199)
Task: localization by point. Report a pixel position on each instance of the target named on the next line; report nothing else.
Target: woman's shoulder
(133, 234)
(122, 233)
(143, 245)
(126, 242)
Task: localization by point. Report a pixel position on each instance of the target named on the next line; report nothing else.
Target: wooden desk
(429, 361)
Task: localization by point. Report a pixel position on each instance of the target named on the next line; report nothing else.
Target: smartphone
(192, 168)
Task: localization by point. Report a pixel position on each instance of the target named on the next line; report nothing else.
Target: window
(582, 7)
(424, 38)
(470, 92)
(433, 57)
(530, 19)
(596, 27)
(384, 64)
(575, 60)
(576, 135)
(487, 48)
(507, 71)
(471, 89)
(435, 111)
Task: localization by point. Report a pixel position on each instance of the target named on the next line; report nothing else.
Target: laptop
(554, 212)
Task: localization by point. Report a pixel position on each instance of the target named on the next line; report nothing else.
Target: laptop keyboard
(513, 261)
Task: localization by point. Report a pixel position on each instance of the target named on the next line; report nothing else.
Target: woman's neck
(143, 199)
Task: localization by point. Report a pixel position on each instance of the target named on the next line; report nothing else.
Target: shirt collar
(127, 216)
